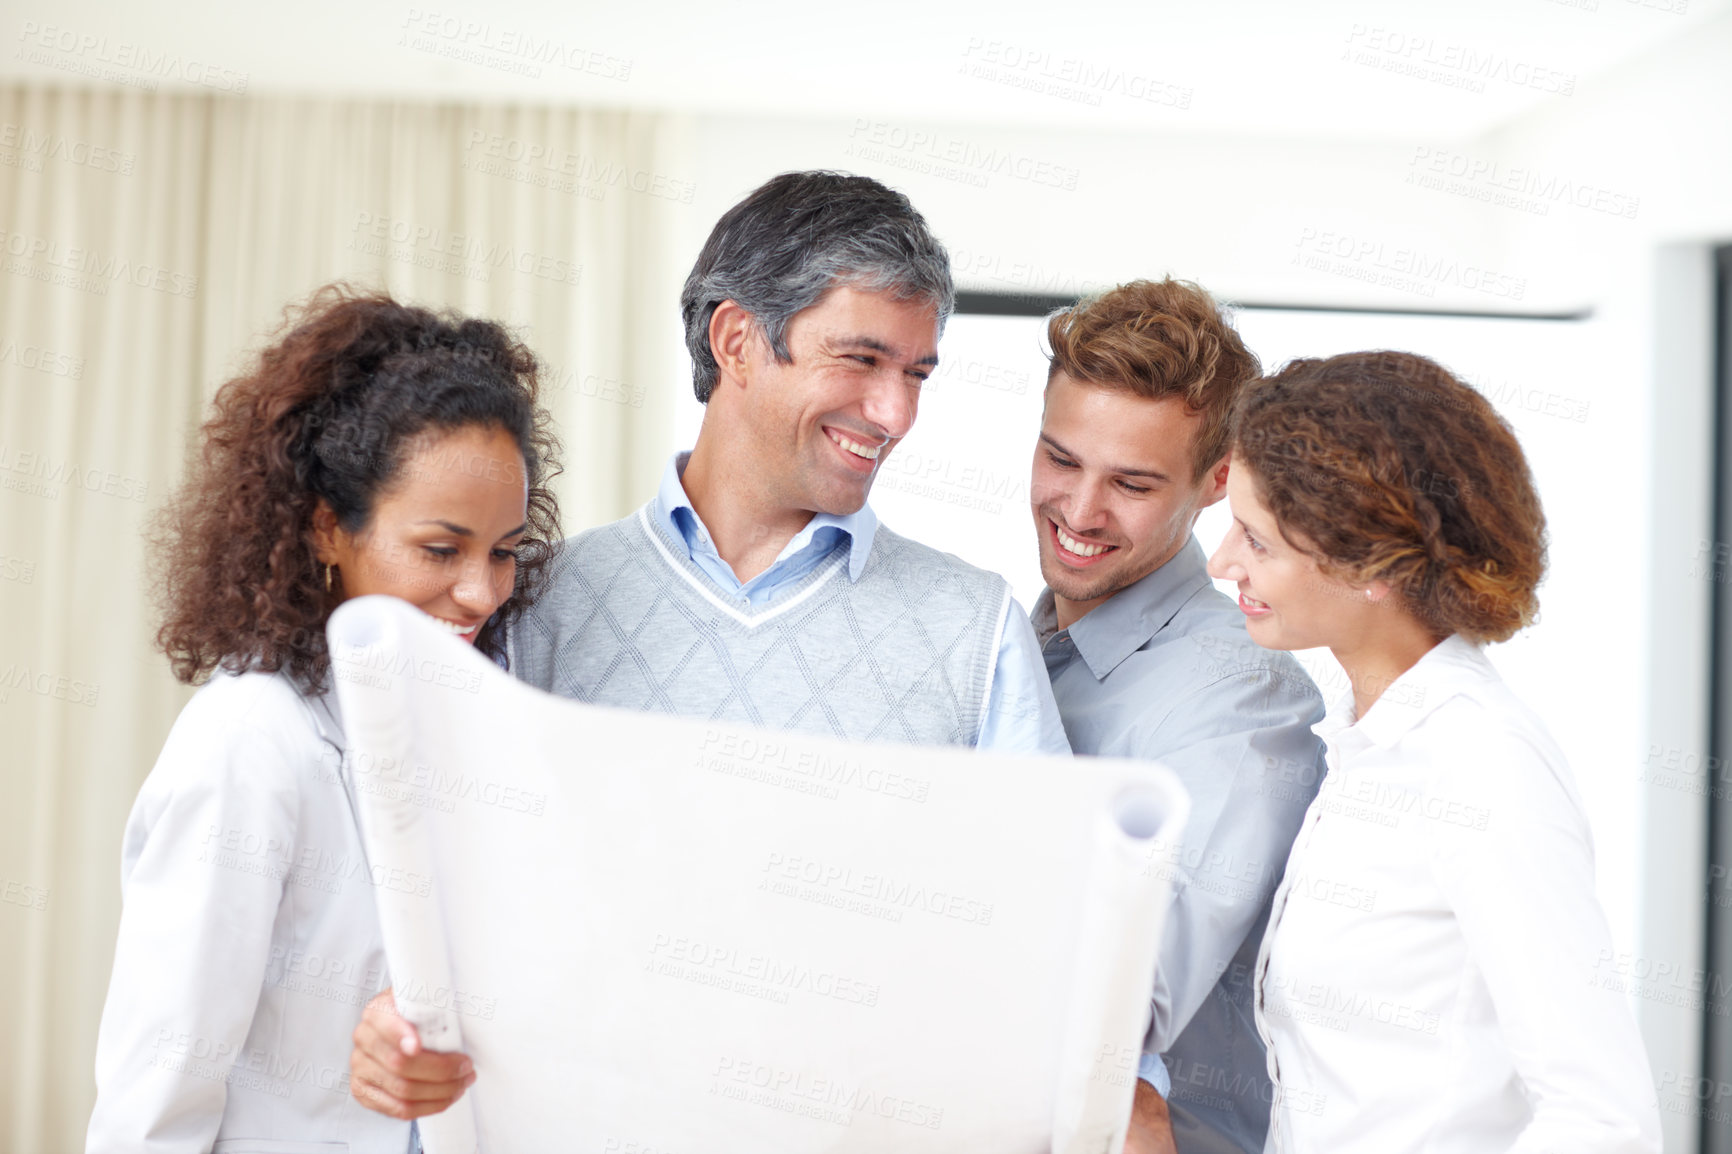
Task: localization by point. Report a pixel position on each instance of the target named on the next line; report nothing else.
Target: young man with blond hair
(1149, 660)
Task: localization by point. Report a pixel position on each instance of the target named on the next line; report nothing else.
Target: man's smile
(1074, 551)
(855, 454)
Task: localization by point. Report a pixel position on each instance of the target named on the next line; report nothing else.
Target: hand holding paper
(390, 1071)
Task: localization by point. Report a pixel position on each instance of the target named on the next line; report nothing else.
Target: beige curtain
(147, 243)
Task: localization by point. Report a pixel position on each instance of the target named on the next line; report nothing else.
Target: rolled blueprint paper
(1115, 967)
(677, 936)
(367, 660)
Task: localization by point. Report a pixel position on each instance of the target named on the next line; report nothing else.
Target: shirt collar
(1124, 622)
(1451, 667)
(858, 527)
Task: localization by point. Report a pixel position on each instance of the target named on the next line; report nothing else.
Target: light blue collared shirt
(1163, 670)
(1021, 715)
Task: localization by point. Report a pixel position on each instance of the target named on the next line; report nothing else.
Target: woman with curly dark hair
(374, 448)
(1426, 981)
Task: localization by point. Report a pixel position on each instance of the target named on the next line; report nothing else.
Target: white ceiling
(1235, 66)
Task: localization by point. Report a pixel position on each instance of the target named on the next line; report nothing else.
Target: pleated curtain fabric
(148, 244)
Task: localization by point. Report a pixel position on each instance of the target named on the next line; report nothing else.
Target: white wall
(1054, 210)
(1658, 129)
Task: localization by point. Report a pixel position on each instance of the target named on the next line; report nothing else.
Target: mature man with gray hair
(757, 585)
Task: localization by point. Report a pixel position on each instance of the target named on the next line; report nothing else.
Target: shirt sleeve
(1021, 714)
(204, 857)
(1244, 749)
(1512, 854)
(1152, 1070)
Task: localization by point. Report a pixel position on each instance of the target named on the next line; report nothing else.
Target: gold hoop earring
(327, 578)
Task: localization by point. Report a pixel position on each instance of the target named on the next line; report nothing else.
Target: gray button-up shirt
(1164, 670)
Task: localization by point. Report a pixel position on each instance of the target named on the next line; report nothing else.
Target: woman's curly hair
(329, 411)
(1384, 466)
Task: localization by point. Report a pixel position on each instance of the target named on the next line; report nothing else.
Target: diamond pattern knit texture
(903, 654)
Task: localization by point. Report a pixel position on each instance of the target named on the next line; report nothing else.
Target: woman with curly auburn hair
(1426, 980)
(373, 448)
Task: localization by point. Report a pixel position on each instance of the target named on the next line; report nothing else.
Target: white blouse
(249, 939)
(1428, 980)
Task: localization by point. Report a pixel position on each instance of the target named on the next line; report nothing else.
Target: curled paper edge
(1115, 967)
(378, 714)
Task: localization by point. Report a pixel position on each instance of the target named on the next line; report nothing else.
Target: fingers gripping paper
(663, 935)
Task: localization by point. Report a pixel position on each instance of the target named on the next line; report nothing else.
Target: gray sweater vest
(906, 653)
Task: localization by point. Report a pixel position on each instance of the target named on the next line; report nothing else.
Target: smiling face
(1113, 491)
(818, 428)
(443, 535)
(1289, 601)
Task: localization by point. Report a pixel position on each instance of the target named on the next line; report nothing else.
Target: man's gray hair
(796, 237)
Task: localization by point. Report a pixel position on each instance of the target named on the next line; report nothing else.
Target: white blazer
(249, 940)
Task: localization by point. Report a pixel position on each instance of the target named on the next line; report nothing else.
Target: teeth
(451, 626)
(859, 450)
(1077, 547)
(1249, 600)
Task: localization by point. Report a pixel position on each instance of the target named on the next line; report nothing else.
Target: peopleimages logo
(40, 359)
(107, 59)
(754, 974)
(1399, 267)
(562, 170)
(928, 150)
(792, 875)
(825, 1098)
(504, 48)
(59, 146)
(88, 270)
(1514, 186)
(410, 242)
(774, 762)
(1453, 65)
(1070, 78)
